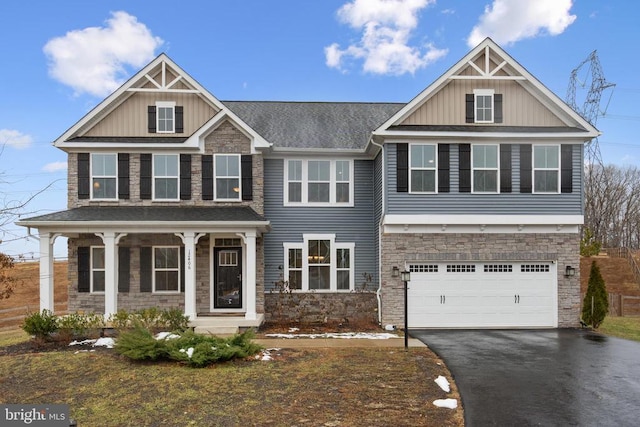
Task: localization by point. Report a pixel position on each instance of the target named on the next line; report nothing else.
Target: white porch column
(189, 239)
(109, 239)
(250, 242)
(46, 271)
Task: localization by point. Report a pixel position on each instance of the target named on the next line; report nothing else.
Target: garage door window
(534, 268)
(423, 268)
(498, 268)
(461, 268)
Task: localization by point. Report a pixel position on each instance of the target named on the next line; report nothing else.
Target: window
(546, 168)
(318, 182)
(165, 176)
(483, 105)
(97, 269)
(165, 116)
(485, 168)
(227, 176)
(166, 269)
(319, 264)
(104, 176)
(423, 168)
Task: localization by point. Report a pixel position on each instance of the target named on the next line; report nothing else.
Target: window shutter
(402, 168)
(207, 177)
(179, 112)
(123, 176)
(470, 104)
(145, 269)
(505, 168)
(465, 168)
(84, 269)
(566, 168)
(151, 118)
(443, 168)
(145, 176)
(246, 168)
(124, 268)
(185, 176)
(497, 108)
(182, 269)
(525, 168)
(84, 185)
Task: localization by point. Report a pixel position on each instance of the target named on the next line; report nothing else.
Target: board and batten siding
(350, 224)
(456, 203)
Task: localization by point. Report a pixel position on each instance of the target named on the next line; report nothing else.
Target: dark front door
(227, 286)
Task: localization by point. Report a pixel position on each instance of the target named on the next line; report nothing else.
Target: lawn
(332, 387)
(621, 327)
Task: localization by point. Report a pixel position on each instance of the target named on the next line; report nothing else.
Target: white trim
(154, 177)
(305, 183)
(534, 169)
(215, 178)
(154, 269)
(579, 137)
(166, 105)
(398, 219)
(434, 169)
(92, 176)
(496, 169)
(483, 92)
(352, 280)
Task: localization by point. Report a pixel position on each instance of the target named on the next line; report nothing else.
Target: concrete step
(216, 330)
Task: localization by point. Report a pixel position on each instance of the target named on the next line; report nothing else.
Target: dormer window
(165, 117)
(483, 105)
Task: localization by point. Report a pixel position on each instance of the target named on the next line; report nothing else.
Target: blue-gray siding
(514, 203)
(350, 224)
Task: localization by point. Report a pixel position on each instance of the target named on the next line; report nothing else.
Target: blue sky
(62, 58)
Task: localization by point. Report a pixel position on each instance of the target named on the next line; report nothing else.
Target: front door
(227, 287)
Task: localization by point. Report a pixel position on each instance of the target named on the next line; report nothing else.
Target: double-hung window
(165, 176)
(483, 105)
(166, 269)
(546, 168)
(485, 168)
(227, 177)
(97, 269)
(165, 117)
(104, 176)
(318, 182)
(423, 165)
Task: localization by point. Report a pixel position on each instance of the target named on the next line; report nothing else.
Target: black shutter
(246, 167)
(465, 168)
(151, 118)
(505, 168)
(145, 176)
(207, 177)
(497, 108)
(124, 268)
(443, 168)
(84, 185)
(525, 168)
(185, 176)
(566, 168)
(123, 176)
(182, 269)
(470, 104)
(179, 112)
(402, 168)
(145, 269)
(84, 269)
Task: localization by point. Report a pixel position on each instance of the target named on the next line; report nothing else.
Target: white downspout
(379, 228)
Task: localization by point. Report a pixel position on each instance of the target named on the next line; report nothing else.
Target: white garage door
(483, 295)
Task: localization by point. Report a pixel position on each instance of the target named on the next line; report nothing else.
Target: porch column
(110, 269)
(189, 239)
(250, 241)
(46, 271)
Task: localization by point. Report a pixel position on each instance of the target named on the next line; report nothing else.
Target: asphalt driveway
(541, 377)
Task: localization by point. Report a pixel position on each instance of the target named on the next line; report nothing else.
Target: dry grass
(616, 273)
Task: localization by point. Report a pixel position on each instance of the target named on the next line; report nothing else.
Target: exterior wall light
(395, 271)
(569, 271)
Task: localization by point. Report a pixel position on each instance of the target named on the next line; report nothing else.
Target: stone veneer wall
(319, 307)
(398, 249)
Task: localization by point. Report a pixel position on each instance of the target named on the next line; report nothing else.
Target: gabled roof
(506, 68)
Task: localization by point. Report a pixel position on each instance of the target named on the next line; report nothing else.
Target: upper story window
(546, 168)
(104, 176)
(97, 269)
(485, 176)
(165, 116)
(227, 177)
(483, 105)
(165, 176)
(423, 167)
(318, 182)
(166, 269)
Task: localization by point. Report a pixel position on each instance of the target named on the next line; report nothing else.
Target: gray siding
(513, 203)
(350, 224)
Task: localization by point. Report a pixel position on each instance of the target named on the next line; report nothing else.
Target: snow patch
(342, 335)
(446, 403)
(84, 342)
(166, 336)
(266, 354)
(443, 383)
(105, 342)
(189, 351)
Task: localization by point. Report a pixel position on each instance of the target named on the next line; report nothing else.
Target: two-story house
(177, 199)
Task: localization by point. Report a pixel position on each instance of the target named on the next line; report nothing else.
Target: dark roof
(339, 125)
(134, 139)
(152, 214)
(485, 128)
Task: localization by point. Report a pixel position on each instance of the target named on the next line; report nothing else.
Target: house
(240, 211)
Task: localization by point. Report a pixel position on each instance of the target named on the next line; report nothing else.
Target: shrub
(80, 325)
(174, 320)
(596, 301)
(140, 344)
(121, 320)
(41, 325)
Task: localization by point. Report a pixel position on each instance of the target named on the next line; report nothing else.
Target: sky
(61, 58)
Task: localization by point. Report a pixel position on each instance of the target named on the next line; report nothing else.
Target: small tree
(596, 302)
(7, 281)
(589, 246)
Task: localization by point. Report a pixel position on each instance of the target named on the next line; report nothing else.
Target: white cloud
(93, 60)
(507, 21)
(15, 139)
(55, 167)
(386, 27)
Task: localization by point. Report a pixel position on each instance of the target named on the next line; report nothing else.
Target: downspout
(382, 211)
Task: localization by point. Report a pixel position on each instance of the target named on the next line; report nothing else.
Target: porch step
(216, 330)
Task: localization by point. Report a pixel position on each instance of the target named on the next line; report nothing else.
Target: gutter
(378, 292)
